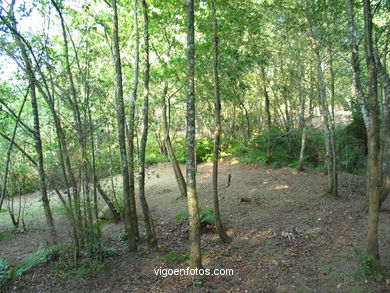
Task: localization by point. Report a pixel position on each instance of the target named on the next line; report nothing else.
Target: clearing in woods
(287, 237)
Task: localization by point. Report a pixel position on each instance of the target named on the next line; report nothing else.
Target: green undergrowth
(173, 256)
(277, 148)
(91, 260)
(206, 216)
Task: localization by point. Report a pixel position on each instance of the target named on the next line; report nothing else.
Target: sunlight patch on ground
(234, 161)
(279, 187)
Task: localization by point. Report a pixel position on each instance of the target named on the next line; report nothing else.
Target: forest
(194, 146)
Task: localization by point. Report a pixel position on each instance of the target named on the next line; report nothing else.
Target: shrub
(204, 150)
(173, 256)
(276, 148)
(97, 251)
(206, 216)
(5, 270)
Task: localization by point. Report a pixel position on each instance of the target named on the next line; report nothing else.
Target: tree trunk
(167, 140)
(116, 215)
(192, 198)
(120, 114)
(150, 237)
(302, 123)
(357, 85)
(384, 131)
(37, 135)
(267, 103)
(218, 128)
(41, 170)
(373, 169)
(328, 130)
(131, 125)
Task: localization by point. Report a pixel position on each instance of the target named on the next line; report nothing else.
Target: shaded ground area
(287, 237)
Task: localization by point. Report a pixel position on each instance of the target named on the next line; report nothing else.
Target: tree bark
(37, 135)
(328, 130)
(356, 77)
(304, 129)
(192, 198)
(131, 124)
(120, 114)
(167, 140)
(150, 237)
(373, 169)
(266, 96)
(218, 128)
(384, 130)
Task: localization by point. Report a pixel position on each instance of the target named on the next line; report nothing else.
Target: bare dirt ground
(287, 238)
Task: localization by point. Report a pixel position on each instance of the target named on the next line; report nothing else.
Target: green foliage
(33, 259)
(204, 150)
(5, 235)
(21, 229)
(277, 148)
(90, 267)
(181, 216)
(5, 270)
(206, 216)
(97, 251)
(366, 264)
(173, 256)
(155, 158)
(351, 143)
(123, 236)
(29, 261)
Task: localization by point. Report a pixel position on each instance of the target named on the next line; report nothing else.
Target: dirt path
(287, 237)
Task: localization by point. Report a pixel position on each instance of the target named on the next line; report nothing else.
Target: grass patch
(5, 235)
(173, 256)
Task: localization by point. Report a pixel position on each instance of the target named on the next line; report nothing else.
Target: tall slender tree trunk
(266, 97)
(302, 122)
(37, 134)
(167, 141)
(150, 236)
(76, 116)
(192, 198)
(384, 130)
(373, 169)
(120, 114)
(356, 80)
(327, 121)
(131, 125)
(41, 169)
(328, 130)
(218, 128)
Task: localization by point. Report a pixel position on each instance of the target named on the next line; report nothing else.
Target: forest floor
(287, 237)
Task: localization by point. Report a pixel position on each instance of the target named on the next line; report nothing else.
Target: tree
(192, 198)
(150, 234)
(331, 159)
(37, 134)
(167, 140)
(373, 169)
(120, 115)
(131, 123)
(218, 128)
